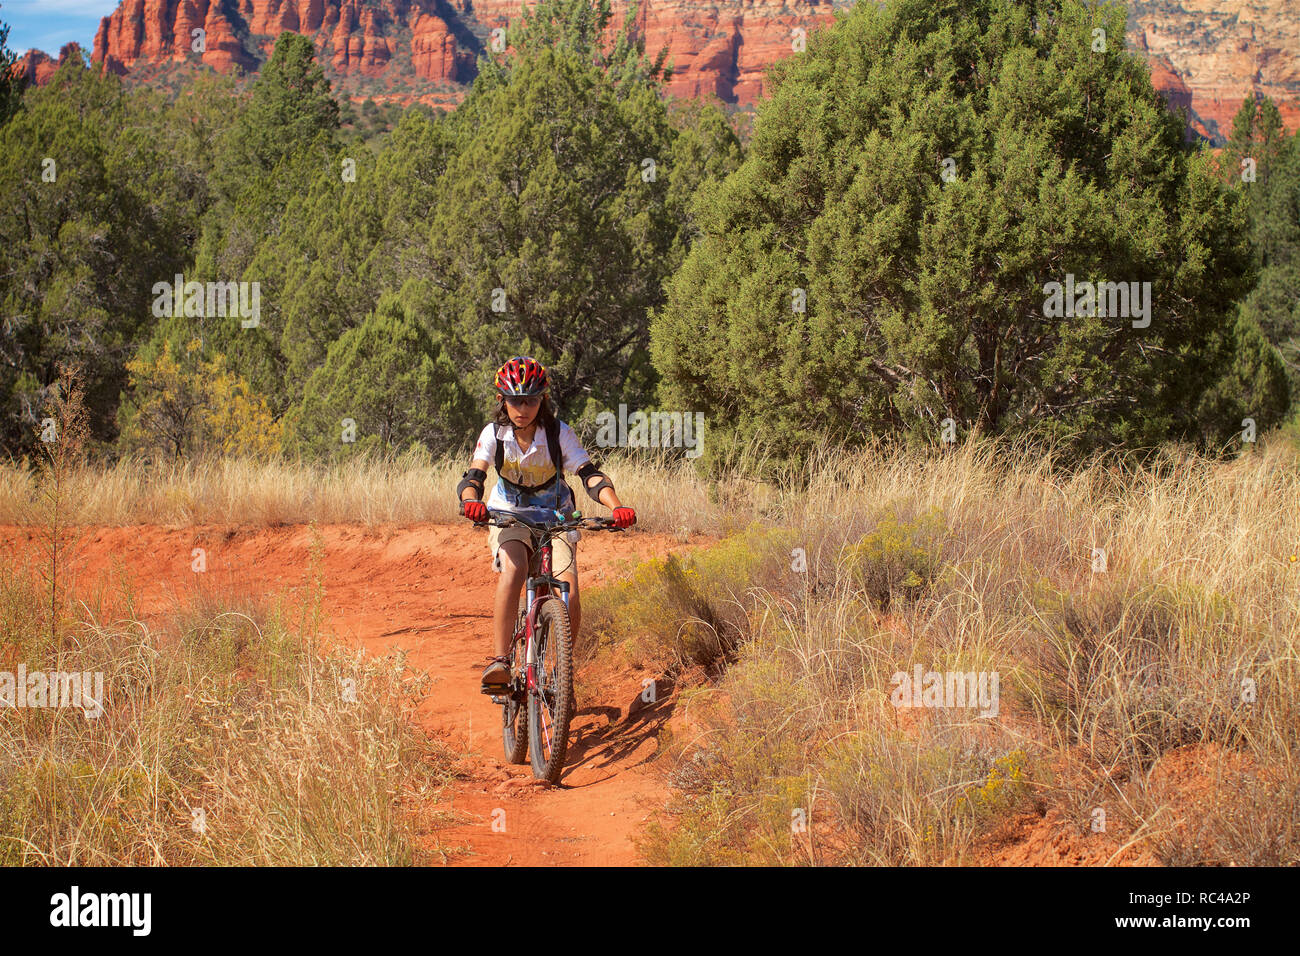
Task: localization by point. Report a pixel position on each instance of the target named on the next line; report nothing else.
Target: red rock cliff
(38, 67)
(1206, 55)
(1221, 50)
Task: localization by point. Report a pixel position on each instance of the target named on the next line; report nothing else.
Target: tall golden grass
(1160, 691)
(233, 733)
(370, 490)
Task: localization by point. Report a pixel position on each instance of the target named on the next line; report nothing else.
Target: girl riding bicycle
(527, 485)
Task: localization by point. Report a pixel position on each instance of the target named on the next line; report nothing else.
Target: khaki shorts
(563, 550)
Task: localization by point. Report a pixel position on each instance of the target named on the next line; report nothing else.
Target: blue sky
(48, 24)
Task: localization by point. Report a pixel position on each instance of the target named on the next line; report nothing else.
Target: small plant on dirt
(63, 448)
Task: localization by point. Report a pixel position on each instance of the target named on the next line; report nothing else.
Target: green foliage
(705, 149)
(1256, 385)
(389, 378)
(11, 83)
(1274, 308)
(1275, 210)
(290, 105)
(259, 186)
(320, 267)
(1257, 136)
(277, 144)
(94, 209)
(925, 298)
(228, 249)
(1272, 203)
(577, 28)
(544, 198)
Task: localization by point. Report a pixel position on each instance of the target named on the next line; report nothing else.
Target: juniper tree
(383, 386)
(919, 175)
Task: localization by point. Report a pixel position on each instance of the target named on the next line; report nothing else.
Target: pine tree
(290, 106)
(1262, 164)
(553, 227)
(93, 213)
(11, 82)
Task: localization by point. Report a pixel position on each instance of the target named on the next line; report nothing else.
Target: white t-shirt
(531, 467)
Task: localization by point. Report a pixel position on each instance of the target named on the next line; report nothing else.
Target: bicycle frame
(534, 595)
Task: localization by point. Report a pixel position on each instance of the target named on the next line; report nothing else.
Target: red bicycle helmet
(521, 376)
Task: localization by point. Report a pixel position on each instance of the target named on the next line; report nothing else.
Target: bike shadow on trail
(625, 730)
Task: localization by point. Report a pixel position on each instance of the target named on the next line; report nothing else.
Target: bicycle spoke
(544, 691)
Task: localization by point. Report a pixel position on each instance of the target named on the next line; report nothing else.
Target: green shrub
(897, 558)
(674, 613)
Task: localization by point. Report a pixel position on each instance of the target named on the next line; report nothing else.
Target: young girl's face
(523, 411)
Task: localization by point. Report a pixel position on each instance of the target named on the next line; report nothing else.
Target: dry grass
(230, 736)
(406, 489)
(1160, 689)
(245, 491)
(234, 733)
(1124, 690)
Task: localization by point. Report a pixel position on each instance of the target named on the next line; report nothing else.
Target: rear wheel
(551, 705)
(514, 730)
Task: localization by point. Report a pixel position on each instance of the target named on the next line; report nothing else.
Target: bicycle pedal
(495, 690)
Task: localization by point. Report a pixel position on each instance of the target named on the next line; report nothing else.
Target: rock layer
(1223, 50)
(38, 67)
(1205, 55)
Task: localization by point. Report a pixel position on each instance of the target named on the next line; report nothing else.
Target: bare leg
(514, 571)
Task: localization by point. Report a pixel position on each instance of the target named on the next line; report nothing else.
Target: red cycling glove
(624, 517)
(474, 510)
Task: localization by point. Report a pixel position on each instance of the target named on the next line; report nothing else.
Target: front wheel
(550, 702)
(514, 713)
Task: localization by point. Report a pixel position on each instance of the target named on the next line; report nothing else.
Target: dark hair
(544, 412)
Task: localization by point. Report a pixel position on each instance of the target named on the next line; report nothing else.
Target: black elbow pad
(593, 491)
(473, 478)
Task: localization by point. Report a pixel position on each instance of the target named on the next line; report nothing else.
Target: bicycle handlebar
(505, 519)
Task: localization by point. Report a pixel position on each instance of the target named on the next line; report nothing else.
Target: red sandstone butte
(1205, 55)
(37, 67)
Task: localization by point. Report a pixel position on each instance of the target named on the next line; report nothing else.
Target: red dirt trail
(428, 589)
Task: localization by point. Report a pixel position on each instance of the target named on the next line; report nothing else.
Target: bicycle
(539, 703)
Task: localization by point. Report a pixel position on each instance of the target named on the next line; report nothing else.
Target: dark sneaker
(497, 675)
